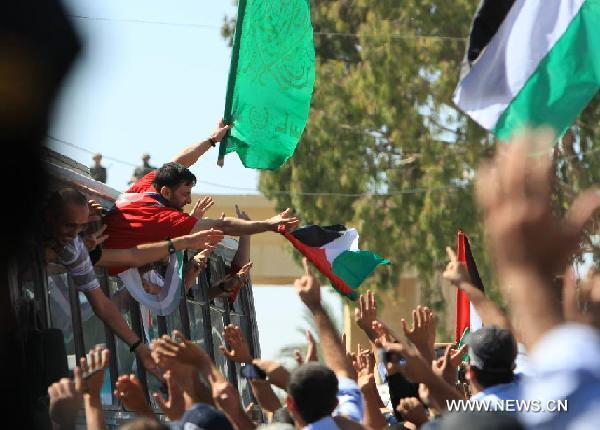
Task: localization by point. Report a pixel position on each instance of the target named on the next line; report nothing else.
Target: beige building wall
(270, 254)
(273, 264)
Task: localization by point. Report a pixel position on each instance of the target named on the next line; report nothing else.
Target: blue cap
(202, 417)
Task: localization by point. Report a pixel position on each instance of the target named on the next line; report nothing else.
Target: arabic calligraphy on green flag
(271, 81)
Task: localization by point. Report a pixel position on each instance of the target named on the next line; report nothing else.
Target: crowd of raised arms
(543, 351)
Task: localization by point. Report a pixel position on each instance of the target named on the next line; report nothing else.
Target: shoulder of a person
(345, 423)
(71, 251)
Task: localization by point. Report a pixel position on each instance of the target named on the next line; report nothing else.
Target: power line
(72, 145)
(142, 21)
(398, 36)
(278, 192)
(316, 193)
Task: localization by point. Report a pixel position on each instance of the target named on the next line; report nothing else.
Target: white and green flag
(541, 68)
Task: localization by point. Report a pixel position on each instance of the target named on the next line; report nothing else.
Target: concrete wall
(271, 254)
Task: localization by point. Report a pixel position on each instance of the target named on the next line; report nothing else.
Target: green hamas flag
(271, 80)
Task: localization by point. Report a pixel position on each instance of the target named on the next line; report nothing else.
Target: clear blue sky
(148, 88)
(152, 88)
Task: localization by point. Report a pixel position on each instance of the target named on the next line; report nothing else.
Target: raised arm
(309, 290)
(530, 244)
(192, 153)
(456, 273)
(241, 227)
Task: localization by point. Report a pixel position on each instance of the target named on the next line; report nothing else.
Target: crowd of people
(535, 366)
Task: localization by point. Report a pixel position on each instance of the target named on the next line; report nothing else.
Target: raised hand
(129, 390)
(174, 406)
(92, 368)
(456, 272)
(201, 206)
(183, 350)
(244, 273)
(66, 398)
(308, 287)
(286, 219)
(412, 410)
(220, 131)
(195, 266)
(92, 240)
(364, 364)
(311, 351)
(514, 192)
(366, 312)
(238, 350)
(422, 332)
(383, 333)
(447, 365)
(241, 214)
(415, 367)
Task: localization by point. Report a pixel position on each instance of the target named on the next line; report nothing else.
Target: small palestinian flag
(334, 251)
(534, 63)
(467, 318)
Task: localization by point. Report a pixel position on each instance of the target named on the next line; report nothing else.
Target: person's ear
(165, 192)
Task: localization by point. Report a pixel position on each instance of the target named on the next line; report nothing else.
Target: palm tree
(286, 353)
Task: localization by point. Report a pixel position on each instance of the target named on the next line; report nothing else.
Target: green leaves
(382, 121)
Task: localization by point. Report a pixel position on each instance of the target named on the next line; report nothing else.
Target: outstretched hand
(130, 392)
(422, 332)
(308, 287)
(183, 350)
(286, 219)
(238, 350)
(366, 311)
(174, 405)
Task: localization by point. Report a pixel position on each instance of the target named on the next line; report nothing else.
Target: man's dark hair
(172, 175)
(489, 379)
(492, 355)
(59, 199)
(313, 387)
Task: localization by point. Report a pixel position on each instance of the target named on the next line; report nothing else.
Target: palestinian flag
(467, 319)
(540, 68)
(334, 251)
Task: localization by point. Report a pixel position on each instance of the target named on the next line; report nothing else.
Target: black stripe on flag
(472, 267)
(488, 18)
(317, 236)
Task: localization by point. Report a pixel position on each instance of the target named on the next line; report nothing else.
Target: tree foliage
(382, 122)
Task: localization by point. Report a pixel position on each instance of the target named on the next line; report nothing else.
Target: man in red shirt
(151, 210)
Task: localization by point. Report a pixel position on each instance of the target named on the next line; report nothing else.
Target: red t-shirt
(141, 217)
